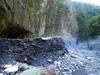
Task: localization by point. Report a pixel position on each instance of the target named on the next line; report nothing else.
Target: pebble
(90, 74)
(57, 63)
(89, 58)
(25, 59)
(80, 72)
(6, 66)
(50, 60)
(66, 69)
(11, 69)
(1, 73)
(70, 71)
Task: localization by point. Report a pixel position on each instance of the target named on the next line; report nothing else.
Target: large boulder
(39, 71)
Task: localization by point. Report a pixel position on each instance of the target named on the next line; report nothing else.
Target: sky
(95, 2)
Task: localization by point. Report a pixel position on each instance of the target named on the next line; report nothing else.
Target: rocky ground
(49, 53)
(79, 62)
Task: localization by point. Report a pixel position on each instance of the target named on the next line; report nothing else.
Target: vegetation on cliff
(9, 27)
(88, 17)
(36, 18)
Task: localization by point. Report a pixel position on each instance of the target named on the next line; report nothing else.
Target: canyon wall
(37, 18)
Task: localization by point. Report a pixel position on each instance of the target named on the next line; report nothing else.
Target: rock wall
(36, 18)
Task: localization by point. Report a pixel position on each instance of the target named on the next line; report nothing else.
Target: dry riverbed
(49, 54)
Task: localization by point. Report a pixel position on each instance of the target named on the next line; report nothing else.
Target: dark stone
(20, 50)
(80, 72)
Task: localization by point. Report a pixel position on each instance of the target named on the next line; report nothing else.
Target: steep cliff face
(36, 18)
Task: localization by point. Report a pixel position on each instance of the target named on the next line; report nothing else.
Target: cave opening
(16, 31)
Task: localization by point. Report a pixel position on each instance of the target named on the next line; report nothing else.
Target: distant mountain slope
(87, 15)
(88, 9)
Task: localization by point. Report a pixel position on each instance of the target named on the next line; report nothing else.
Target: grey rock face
(41, 17)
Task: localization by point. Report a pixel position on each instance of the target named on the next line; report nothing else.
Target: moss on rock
(35, 18)
(9, 27)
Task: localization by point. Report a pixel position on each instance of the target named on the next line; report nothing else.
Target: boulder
(11, 69)
(39, 71)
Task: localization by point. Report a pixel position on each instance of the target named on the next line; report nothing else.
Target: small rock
(11, 69)
(35, 58)
(66, 69)
(23, 67)
(50, 60)
(46, 38)
(80, 72)
(25, 59)
(70, 71)
(89, 58)
(57, 63)
(7, 66)
(1, 73)
(90, 74)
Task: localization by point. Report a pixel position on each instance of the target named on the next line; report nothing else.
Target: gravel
(75, 62)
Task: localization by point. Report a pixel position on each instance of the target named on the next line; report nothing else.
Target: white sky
(96, 2)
